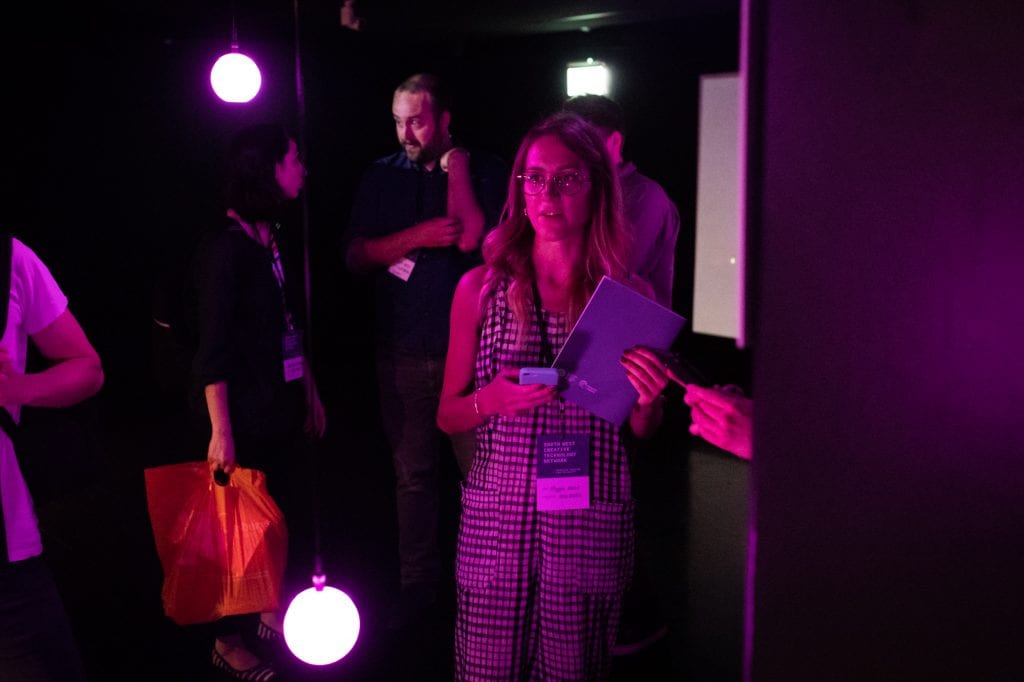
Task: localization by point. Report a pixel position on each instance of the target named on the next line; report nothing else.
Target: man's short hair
(598, 110)
(430, 84)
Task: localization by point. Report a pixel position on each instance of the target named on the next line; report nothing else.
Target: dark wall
(887, 366)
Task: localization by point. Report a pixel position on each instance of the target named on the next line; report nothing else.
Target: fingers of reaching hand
(710, 433)
(719, 418)
(705, 425)
(706, 396)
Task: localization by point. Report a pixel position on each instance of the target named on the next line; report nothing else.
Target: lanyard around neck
(278, 268)
(547, 357)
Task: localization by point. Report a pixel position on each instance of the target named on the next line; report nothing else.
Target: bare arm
(462, 201)
(461, 408)
(723, 417)
(456, 411)
(75, 375)
(367, 253)
(221, 451)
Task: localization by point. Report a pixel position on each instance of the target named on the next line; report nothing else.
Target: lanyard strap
(278, 268)
(547, 357)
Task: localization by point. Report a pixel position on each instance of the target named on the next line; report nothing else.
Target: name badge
(294, 364)
(563, 472)
(402, 268)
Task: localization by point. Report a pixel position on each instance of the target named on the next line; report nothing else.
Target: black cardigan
(240, 330)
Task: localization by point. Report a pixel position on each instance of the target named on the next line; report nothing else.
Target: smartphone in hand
(538, 375)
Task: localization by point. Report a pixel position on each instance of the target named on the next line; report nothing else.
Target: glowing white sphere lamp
(321, 624)
(235, 77)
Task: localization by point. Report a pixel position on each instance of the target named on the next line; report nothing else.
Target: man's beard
(421, 154)
(413, 151)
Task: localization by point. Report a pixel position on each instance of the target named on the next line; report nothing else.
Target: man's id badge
(293, 357)
(563, 472)
(402, 268)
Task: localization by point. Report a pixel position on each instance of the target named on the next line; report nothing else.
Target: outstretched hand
(723, 416)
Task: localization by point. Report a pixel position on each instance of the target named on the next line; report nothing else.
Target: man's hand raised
(436, 232)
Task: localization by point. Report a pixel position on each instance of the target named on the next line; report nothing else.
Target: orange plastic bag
(222, 548)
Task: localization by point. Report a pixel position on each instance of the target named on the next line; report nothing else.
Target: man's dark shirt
(396, 193)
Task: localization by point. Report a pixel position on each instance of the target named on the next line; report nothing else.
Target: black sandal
(267, 633)
(261, 672)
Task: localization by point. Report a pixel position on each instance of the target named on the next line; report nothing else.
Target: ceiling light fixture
(589, 77)
(234, 76)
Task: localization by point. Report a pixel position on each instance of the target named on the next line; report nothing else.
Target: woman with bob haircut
(252, 388)
(539, 589)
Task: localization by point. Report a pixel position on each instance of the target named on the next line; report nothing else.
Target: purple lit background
(884, 320)
(887, 344)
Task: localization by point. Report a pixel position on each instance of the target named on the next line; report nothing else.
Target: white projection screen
(718, 265)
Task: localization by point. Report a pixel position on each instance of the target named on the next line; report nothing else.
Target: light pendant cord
(234, 30)
(314, 473)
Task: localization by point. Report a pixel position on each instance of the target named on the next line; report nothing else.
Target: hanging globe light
(235, 76)
(321, 624)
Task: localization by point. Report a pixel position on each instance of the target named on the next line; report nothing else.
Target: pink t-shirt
(35, 302)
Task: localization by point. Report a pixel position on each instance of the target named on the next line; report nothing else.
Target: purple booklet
(615, 319)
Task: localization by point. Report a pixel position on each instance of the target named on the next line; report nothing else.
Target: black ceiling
(524, 17)
(424, 17)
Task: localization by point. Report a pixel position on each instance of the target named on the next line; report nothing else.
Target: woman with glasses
(540, 577)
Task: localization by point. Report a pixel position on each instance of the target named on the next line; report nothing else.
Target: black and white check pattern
(539, 593)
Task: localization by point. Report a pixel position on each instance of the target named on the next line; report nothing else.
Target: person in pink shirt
(36, 642)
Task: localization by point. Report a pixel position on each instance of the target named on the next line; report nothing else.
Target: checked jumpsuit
(539, 593)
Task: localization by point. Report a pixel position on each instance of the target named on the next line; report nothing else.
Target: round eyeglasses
(568, 183)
